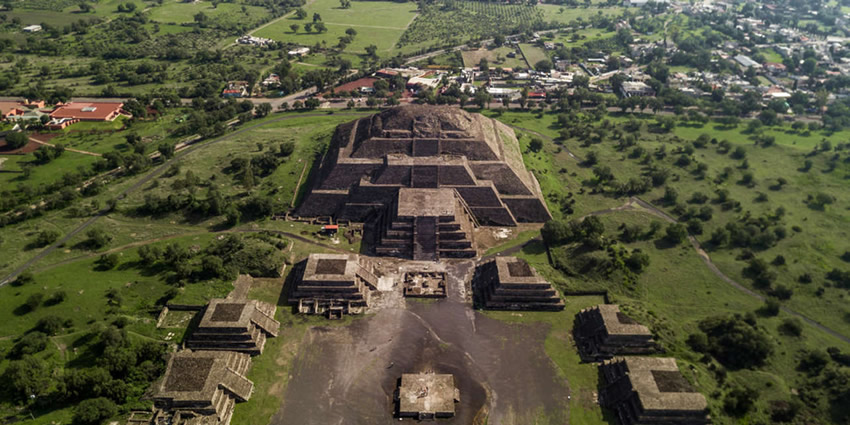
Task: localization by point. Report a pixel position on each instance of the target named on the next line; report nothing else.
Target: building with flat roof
(636, 88)
(650, 390)
(89, 111)
(333, 284)
(509, 283)
(427, 396)
(201, 387)
(603, 331)
(746, 62)
(233, 325)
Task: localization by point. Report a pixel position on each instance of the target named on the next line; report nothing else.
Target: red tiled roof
(88, 111)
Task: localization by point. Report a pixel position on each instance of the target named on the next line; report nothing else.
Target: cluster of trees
(734, 340)
(257, 254)
(122, 371)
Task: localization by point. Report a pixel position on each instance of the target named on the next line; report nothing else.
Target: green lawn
(533, 54)
(179, 12)
(552, 12)
(376, 22)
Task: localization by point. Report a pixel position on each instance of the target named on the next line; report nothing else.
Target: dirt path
(67, 149)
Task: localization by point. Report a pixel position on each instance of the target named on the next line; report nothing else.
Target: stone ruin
(333, 284)
(650, 390)
(427, 396)
(426, 225)
(235, 325)
(424, 284)
(509, 283)
(425, 147)
(201, 388)
(603, 331)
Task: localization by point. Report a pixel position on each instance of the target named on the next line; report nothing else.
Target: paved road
(147, 178)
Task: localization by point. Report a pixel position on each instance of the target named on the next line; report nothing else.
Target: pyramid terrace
(650, 390)
(509, 283)
(603, 331)
(235, 326)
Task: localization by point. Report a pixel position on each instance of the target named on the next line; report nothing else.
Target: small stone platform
(425, 284)
(603, 331)
(334, 284)
(509, 283)
(427, 396)
(235, 325)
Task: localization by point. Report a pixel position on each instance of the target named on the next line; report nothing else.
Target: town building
(746, 62)
(333, 284)
(603, 331)
(509, 283)
(650, 390)
(89, 111)
(636, 88)
(235, 325)
(202, 387)
(32, 28)
(299, 51)
(427, 396)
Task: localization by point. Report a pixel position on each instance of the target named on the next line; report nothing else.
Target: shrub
(735, 342)
(94, 410)
(24, 278)
(51, 325)
(31, 343)
(34, 300)
(47, 237)
(791, 327)
(813, 362)
(740, 400)
(17, 139)
(770, 308)
(676, 233)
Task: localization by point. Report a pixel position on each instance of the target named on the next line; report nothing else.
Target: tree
(791, 326)
(675, 233)
(371, 50)
(320, 27)
(27, 377)
(47, 237)
(543, 65)
(17, 139)
(735, 342)
(97, 238)
(499, 40)
(316, 17)
(34, 300)
(166, 150)
(300, 14)
(740, 400)
(263, 109)
(94, 410)
(535, 145)
(345, 4)
(30, 343)
(294, 27)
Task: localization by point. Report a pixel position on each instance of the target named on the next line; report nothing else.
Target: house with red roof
(88, 111)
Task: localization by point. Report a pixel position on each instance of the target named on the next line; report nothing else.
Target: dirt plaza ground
(347, 375)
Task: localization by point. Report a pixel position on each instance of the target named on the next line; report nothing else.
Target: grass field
(179, 12)
(496, 57)
(378, 23)
(533, 54)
